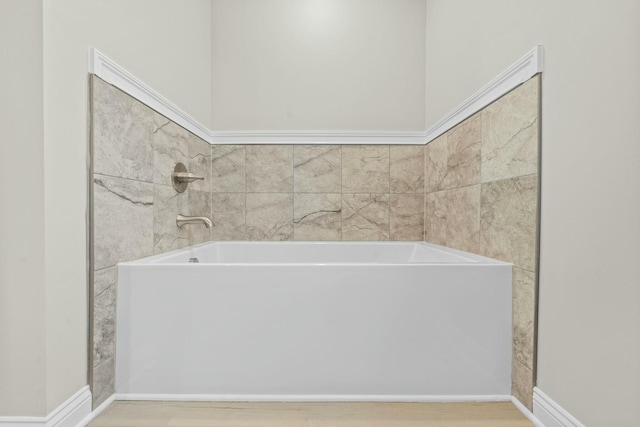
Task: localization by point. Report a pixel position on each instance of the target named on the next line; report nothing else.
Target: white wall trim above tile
(69, 414)
(518, 73)
(550, 412)
(108, 70)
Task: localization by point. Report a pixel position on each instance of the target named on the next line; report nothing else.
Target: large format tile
(508, 221)
(122, 128)
(269, 168)
(524, 309)
(463, 157)
(227, 168)
(167, 204)
(123, 220)
(104, 381)
(406, 168)
(199, 205)
(317, 216)
(365, 169)
(317, 168)
(199, 163)
(436, 218)
(269, 216)
(406, 216)
(463, 218)
(435, 164)
(365, 217)
(104, 324)
(170, 146)
(104, 278)
(510, 129)
(522, 384)
(228, 215)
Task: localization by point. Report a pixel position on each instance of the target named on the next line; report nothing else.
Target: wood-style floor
(317, 414)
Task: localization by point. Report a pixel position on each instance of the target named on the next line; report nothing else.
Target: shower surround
(474, 188)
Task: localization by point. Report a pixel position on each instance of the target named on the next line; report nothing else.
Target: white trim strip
(108, 70)
(68, 414)
(550, 413)
(526, 412)
(311, 398)
(518, 73)
(86, 420)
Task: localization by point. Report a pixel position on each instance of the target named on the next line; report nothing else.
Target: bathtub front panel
(228, 332)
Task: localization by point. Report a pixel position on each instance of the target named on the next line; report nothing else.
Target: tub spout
(182, 220)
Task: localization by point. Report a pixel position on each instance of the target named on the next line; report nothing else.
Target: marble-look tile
(167, 203)
(510, 129)
(199, 163)
(104, 381)
(122, 128)
(104, 324)
(317, 168)
(464, 143)
(522, 384)
(365, 169)
(104, 278)
(269, 168)
(406, 168)
(524, 308)
(508, 221)
(199, 204)
(228, 216)
(170, 146)
(463, 218)
(435, 166)
(227, 168)
(269, 216)
(365, 216)
(436, 218)
(123, 220)
(406, 216)
(317, 216)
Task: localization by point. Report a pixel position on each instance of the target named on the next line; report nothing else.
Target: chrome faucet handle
(181, 178)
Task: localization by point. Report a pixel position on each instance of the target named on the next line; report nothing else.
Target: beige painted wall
(325, 65)
(589, 314)
(22, 292)
(166, 44)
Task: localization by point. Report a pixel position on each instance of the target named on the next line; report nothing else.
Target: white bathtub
(314, 321)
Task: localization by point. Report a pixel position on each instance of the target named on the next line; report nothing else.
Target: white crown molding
(550, 413)
(108, 70)
(69, 414)
(312, 398)
(518, 73)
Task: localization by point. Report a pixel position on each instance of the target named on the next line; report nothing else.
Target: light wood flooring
(303, 414)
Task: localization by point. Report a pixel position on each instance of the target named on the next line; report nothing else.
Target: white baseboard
(69, 414)
(526, 412)
(311, 398)
(550, 413)
(86, 420)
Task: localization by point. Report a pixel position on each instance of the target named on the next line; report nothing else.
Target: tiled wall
(318, 192)
(481, 186)
(134, 204)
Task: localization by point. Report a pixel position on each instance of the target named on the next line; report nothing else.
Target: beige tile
(227, 168)
(436, 218)
(435, 166)
(406, 216)
(122, 128)
(365, 169)
(317, 216)
(199, 205)
(508, 221)
(170, 146)
(199, 163)
(317, 168)
(269, 216)
(510, 129)
(463, 158)
(228, 215)
(365, 217)
(523, 316)
(522, 384)
(102, 279)
(167, 204)
(104, 381)
(104, 323)
(269, 168)
(406, 168)
(463, 218)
